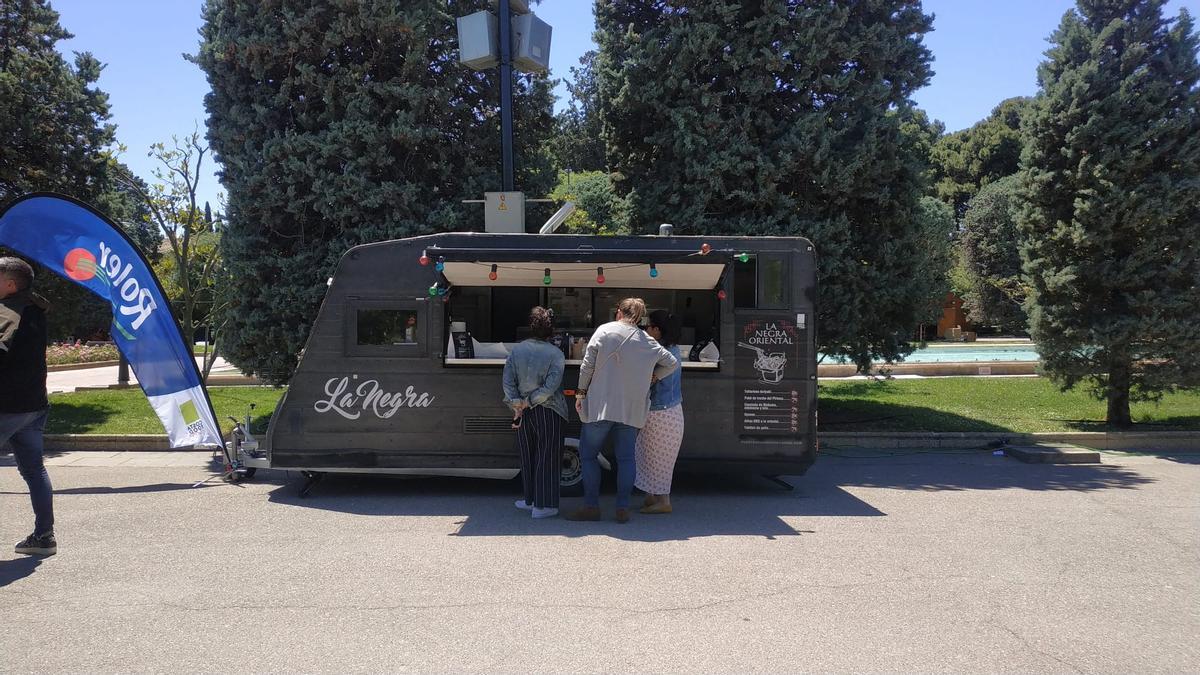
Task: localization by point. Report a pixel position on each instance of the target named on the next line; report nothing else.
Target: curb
(913, 440)
(80, 366)
(1099, 440)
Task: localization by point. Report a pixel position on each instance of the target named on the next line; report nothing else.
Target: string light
(744, 257)
(721, 294)
(705, 249)
(599, 275)
(433, 290)
(492, 275)
(441, 264)
(441, 290)
(653, 270)
(546, 279)
(424, 259)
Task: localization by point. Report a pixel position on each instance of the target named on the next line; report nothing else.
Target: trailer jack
(781, 483)
(311, 478)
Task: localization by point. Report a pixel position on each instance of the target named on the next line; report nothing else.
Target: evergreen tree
(991, 256)
(778, 119)
(339, 123)
(967, 160)
(578, 143)
(1112, 203)
(55, 136)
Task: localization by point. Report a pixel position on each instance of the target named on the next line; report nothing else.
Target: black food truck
(402, 369)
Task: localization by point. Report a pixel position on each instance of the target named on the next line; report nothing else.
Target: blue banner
(79, 244)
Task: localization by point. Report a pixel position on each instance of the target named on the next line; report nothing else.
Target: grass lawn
(1017, 404)
(126, 411)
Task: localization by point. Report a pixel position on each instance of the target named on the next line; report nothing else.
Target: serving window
(498, 318)
(384, 329)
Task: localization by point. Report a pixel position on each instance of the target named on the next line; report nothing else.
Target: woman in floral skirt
(659, 440)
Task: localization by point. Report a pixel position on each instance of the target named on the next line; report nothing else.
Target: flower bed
(58, 355)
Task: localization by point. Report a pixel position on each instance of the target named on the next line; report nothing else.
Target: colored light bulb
(441, 264)
(721, 294)
(546, 279)
(653, 270)
(442, 290)
(492, 275)
(744, 257)
(599, 275)
(433, 289)
(424, 259)
(705, 249)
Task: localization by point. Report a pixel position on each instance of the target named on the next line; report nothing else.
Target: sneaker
(522, 504)
(38, 544)
(585, 513)
(544, 513)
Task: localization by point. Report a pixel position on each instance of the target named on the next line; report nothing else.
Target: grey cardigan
(619, 391)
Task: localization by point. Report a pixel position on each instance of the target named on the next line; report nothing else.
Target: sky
(984, 52)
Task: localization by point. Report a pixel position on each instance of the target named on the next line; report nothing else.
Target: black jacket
(23, 353)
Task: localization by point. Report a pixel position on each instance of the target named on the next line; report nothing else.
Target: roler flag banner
(79, 244)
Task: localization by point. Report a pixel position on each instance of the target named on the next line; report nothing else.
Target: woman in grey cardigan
(620, 364)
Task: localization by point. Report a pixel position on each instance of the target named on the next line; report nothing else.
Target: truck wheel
(571, 480)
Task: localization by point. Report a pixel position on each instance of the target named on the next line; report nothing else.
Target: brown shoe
(656, 508)
(622, 515)
(585, 513)
(651, 500)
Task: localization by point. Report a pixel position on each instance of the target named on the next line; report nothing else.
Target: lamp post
(506, 130)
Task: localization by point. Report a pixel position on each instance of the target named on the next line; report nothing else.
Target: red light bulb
(599, 275)
(492, 275)
(705, 249)
(721, 294)
(424, 259)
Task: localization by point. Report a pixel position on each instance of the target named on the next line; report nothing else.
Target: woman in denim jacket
(533, 389)
(659, 441)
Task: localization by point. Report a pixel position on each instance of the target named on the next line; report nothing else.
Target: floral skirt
(656, 450)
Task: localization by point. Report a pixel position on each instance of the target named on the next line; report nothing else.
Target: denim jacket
(668, 392)
(533, 374)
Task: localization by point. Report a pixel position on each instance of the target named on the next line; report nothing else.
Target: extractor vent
(487, 425)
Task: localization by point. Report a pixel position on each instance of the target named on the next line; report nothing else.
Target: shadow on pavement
(17, 569)
(972, 471)
(705, 506)
(126, 490)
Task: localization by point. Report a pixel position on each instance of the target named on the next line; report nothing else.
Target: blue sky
(984, 52)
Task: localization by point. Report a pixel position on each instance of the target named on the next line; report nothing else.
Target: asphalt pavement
(913, 563)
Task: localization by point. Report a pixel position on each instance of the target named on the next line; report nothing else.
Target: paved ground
(68, 380)
(910, 563)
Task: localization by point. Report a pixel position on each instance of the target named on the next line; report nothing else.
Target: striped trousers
(540, 440)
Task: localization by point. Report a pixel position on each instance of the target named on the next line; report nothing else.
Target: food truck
(402, 369)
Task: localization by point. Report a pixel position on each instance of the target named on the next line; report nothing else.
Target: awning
(671, 276)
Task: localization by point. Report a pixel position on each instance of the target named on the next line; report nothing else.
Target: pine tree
(779, 119)
(577, 143)
(340, 123)
(1112, 212)
(55, 136)
(967, 160)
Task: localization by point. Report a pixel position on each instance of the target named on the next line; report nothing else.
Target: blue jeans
(591, 440)
(24, 432)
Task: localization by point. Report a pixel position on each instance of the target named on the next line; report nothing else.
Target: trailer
(402, 370)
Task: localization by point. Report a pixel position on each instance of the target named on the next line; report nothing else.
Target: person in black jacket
(23, 402)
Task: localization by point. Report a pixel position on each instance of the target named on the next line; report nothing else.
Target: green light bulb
(744, 257)
(433, 289)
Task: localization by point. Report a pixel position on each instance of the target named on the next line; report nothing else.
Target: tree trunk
(1118, 395)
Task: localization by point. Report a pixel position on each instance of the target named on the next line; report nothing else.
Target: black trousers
(540, 440)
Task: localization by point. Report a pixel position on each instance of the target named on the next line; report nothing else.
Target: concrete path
(69, 380)
(915, 563)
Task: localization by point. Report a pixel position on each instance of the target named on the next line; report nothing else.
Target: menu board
(770, 374)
